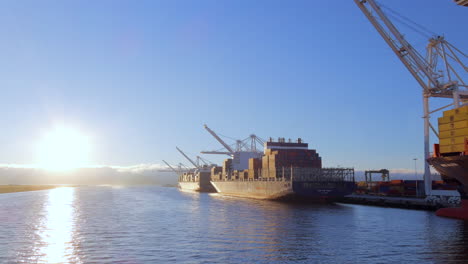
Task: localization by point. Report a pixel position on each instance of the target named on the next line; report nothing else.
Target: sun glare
(63, 148)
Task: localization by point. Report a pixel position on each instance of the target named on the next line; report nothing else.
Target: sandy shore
(24, 188)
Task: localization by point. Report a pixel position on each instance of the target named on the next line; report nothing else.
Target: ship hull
(324, 191)
(196, 187)
(189, 186)
(453, 168)
(284, 190)
(201, 183)
(254, 189)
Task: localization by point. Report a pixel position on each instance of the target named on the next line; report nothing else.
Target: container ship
(450, 157)
(197, 180)
(285, 171)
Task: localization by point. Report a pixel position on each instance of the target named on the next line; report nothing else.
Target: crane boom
(418, 66)
(229, 149)
(189, 159)
(434, 73)
(174, 170)
(216, 152)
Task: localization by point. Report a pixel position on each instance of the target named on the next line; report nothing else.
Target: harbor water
(149, 224)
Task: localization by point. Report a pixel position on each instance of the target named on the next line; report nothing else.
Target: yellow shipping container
(446, 119)
(452, 141)
(453, 125)
(456, 111)
(453, 133)
(452, 148)
(461, 117)
(265, 162)
(453, 118)
(362, 184)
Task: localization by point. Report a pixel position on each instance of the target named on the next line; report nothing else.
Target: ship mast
(436, 73)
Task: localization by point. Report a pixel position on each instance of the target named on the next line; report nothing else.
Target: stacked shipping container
(453, 130)
(282, 154)
(277, 157)
(399, 187)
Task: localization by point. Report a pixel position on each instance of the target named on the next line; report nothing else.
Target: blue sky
(141, 77)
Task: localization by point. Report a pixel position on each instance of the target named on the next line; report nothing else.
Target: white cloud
(135, 174)
(25, 166)
(140, 168)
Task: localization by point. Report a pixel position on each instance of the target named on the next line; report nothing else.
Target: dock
(395, 202)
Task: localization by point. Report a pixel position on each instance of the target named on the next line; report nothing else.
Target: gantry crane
(385, 174)
(174, 170)
(438, 73)
(229, 152)
(189, 159)
(205, 162)
(181, 168)
(243, 152)
(246, 145)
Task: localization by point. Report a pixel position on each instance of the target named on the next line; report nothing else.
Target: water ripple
(161, 225)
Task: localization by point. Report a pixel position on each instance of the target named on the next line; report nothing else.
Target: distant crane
(229, 152)
(436, 73)
(189, 159)
(246, 145)
(253, 142)
(182, 167)
(204, 161)
(174, 170)
(243, 152)
(385, 174)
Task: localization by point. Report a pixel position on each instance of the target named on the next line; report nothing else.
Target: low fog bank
(134, 175)
(87, 176)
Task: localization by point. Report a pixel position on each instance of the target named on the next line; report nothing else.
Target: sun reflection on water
(57, 234)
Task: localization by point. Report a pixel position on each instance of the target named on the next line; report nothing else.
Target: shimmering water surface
(161, 225)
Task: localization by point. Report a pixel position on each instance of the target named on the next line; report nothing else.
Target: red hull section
(450, 168)
(457, 213)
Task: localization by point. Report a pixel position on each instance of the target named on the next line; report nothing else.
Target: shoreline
(13, 188)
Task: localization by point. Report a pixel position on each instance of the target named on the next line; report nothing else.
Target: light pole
(415, 169)
(416, 176)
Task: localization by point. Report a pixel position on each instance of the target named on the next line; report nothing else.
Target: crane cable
(415, 26)
(226, 136)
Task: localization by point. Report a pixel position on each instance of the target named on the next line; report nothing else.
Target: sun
(63, 148)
